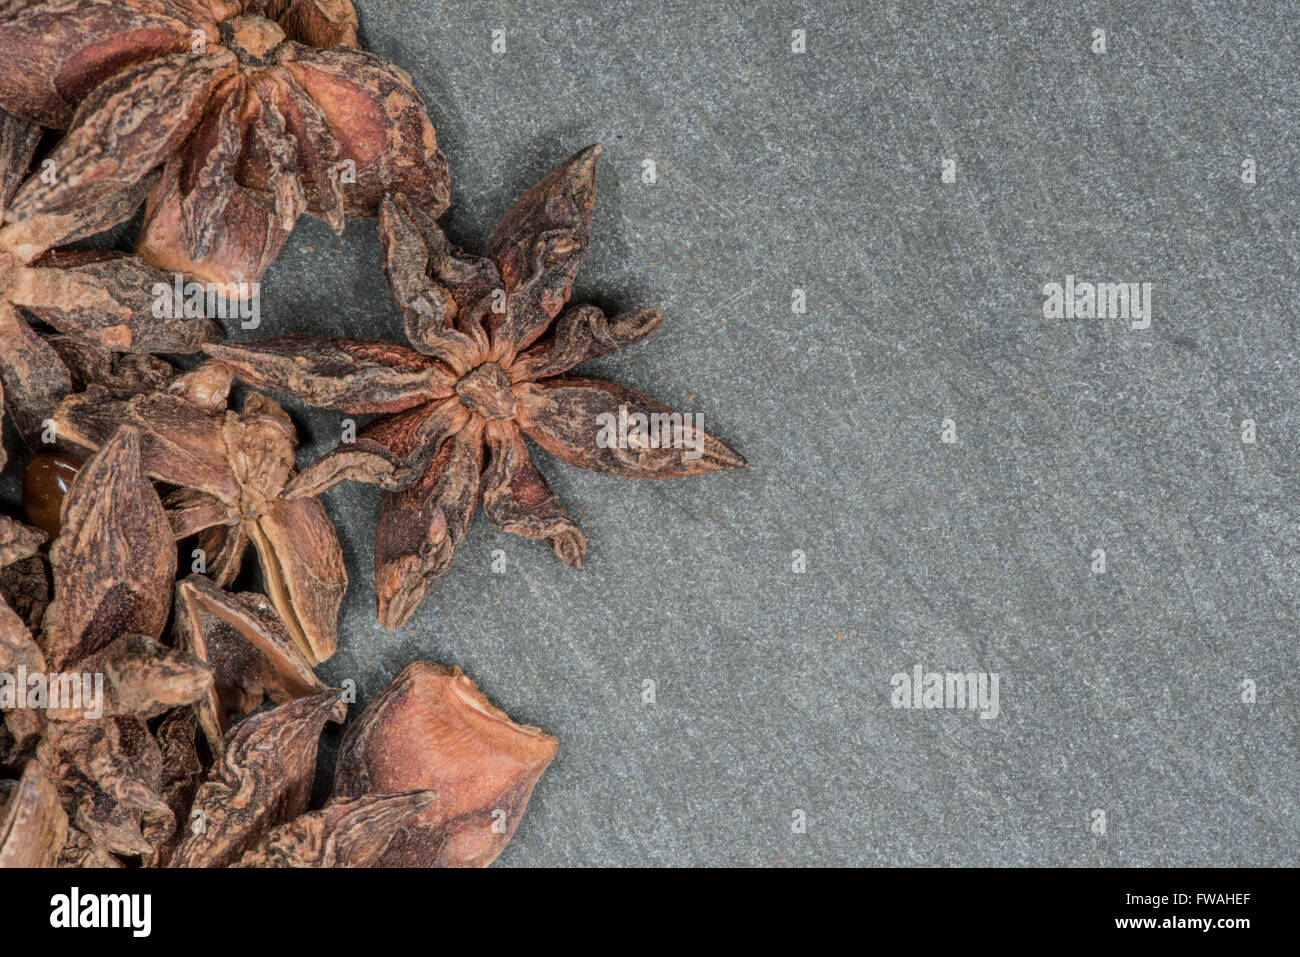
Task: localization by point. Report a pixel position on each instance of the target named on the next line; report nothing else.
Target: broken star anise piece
(261, 779)
(251, 809)
(109, 777)
(479, 379)
(432, 728)
(98, 296)
(114, 564)
(257, 110)
(24, 585)
(141, 677)
(122, 374)
(18, 541)
(250, 651)
(230, 469)
(33, 825)
(19, 653)
(346, 832)
(183, 768)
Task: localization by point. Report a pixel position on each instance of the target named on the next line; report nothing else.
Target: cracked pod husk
(433, 729)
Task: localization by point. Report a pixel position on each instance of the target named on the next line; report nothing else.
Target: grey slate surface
(821, 171)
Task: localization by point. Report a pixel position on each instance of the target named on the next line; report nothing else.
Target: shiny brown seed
(45, 485)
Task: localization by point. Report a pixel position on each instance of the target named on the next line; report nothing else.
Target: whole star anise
(491, 349)
(229, 470)
(258, 109)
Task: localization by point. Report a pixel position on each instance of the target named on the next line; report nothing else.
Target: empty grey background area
(821, 171)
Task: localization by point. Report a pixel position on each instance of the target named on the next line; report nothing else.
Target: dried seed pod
(433, 729)
(58, 53)
(276, 114)
(347, 832)
(95, 297)
(421, 527)
(81, 851)
(251, 653)
(34, 378)
(18, 541)
(206, 387)
(109, 775)
(183, 768)
(261, 779)
(107, 297)
(102, 296)
(231, 469)
(120, 374)
(18, 142)
(492, 343)
(24, 585)
(115, 561)
(180, 444)
(33, 826)
(140, 677)
(18, 649)
(28, 240)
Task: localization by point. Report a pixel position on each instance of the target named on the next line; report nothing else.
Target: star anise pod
(18, 649)
(261, 778)
(247, 646)
(492, 343)
(114, 560)
(122, 374)
(258, 110)
(46, 480)
(431, 775)
(432, 728)
(18, 543)
(230, 470)
(24, 586)
(99, 788)
(33, 825)
(96, 296)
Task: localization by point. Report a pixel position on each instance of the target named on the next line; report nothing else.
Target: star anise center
(486, 391)
(251, 38)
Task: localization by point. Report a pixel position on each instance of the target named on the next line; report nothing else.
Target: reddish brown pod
(33, 826)
(255, 111)
(100, 301)
(228, 470)
(433, 729)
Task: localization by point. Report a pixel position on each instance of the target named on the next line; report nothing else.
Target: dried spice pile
(151, 715)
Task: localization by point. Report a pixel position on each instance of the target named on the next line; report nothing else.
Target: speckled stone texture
(822, 171)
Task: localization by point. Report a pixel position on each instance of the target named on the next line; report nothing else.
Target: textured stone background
(821, 171)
